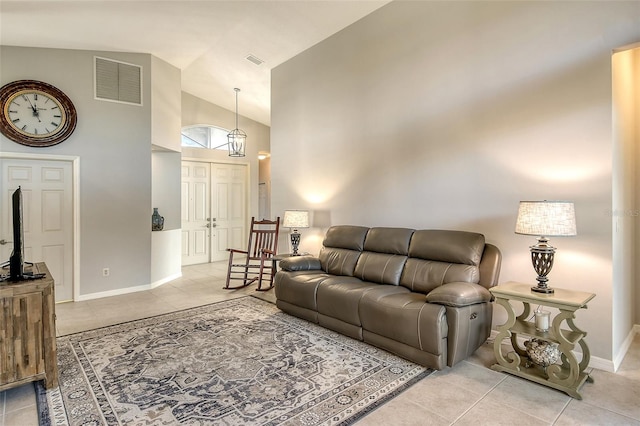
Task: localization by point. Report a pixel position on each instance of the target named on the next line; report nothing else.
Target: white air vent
(254, 59)
(118, 81)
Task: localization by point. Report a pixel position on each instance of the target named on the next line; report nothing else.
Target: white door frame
(247, 194)
(75, 188)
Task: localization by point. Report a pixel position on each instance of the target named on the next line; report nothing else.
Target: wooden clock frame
(7, 128)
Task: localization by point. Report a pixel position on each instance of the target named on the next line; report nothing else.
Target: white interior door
(47, 192)
(213, 210)
(195, 212)
(229, 221)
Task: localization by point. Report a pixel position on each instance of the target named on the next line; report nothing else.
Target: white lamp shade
(296, 219)
(546, 218)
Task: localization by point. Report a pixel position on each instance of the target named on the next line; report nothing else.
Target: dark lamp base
(539, 289)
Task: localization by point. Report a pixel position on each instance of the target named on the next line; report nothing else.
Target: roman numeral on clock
(55, 124)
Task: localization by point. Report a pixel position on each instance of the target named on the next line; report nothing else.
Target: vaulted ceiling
(208, 40)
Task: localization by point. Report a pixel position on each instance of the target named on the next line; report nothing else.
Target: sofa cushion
(341, 248)
(406, 318)
(437, 257)
(447, 246)
(346, 237)
(384, 256)
(339, 297)
(388, 240)
(299, 288)
(380, 268)
(338, 261)
(423, 276)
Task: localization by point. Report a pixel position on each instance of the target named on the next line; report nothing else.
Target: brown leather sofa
(421, 294)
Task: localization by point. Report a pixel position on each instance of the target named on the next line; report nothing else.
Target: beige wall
(446, 114)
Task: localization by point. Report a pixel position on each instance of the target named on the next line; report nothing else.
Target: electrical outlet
(105, 272)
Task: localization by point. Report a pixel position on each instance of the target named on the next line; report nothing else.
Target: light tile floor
(468, 394)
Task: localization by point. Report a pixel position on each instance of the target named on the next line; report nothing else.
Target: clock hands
(33, 107)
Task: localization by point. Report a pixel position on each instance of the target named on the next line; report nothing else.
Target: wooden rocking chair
(257, 261)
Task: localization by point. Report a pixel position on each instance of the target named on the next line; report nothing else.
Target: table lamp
(295, 219)
(545, 219)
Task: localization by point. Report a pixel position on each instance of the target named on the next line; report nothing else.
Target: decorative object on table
(295, 219)
(35, 113)
(541, 352)
(225, 363)
(157, 221)
(236, 138)
(543, 319)
(545, 219)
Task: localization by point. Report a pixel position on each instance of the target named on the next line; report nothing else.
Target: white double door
(214, 210)
(48, 222)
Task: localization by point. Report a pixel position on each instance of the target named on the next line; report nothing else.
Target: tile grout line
(479, 400)
(562, 411)
(612, 411)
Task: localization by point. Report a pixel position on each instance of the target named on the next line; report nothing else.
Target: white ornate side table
(568, 376)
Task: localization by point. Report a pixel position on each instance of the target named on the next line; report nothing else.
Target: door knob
(3, 242)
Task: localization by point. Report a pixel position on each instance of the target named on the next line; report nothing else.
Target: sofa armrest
(300, 263)
(459, 294)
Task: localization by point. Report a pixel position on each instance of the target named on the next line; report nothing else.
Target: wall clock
(35, 113)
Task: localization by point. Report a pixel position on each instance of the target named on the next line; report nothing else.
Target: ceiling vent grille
(254, 59)
(118, 81)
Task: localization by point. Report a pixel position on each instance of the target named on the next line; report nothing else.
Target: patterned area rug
(230, 363)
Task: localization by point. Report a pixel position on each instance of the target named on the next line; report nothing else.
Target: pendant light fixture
(237, 137)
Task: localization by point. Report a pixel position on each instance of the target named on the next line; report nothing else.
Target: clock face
(35, 113)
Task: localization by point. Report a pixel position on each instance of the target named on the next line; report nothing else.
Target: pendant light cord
(237, 90)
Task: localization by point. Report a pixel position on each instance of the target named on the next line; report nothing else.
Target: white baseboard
(128, 290)
(594, 362)
(166, 280)
(117, 292)
(624, 348)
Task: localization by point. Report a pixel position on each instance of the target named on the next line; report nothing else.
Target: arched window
(204, 136)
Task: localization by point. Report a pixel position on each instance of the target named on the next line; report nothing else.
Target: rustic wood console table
(28, 331)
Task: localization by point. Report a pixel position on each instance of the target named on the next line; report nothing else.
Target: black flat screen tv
(16, 260)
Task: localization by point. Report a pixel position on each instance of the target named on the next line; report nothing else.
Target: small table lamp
(545, 219)
(295, 219)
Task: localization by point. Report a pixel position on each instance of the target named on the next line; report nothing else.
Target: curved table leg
(568, 373)
(504, 332)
